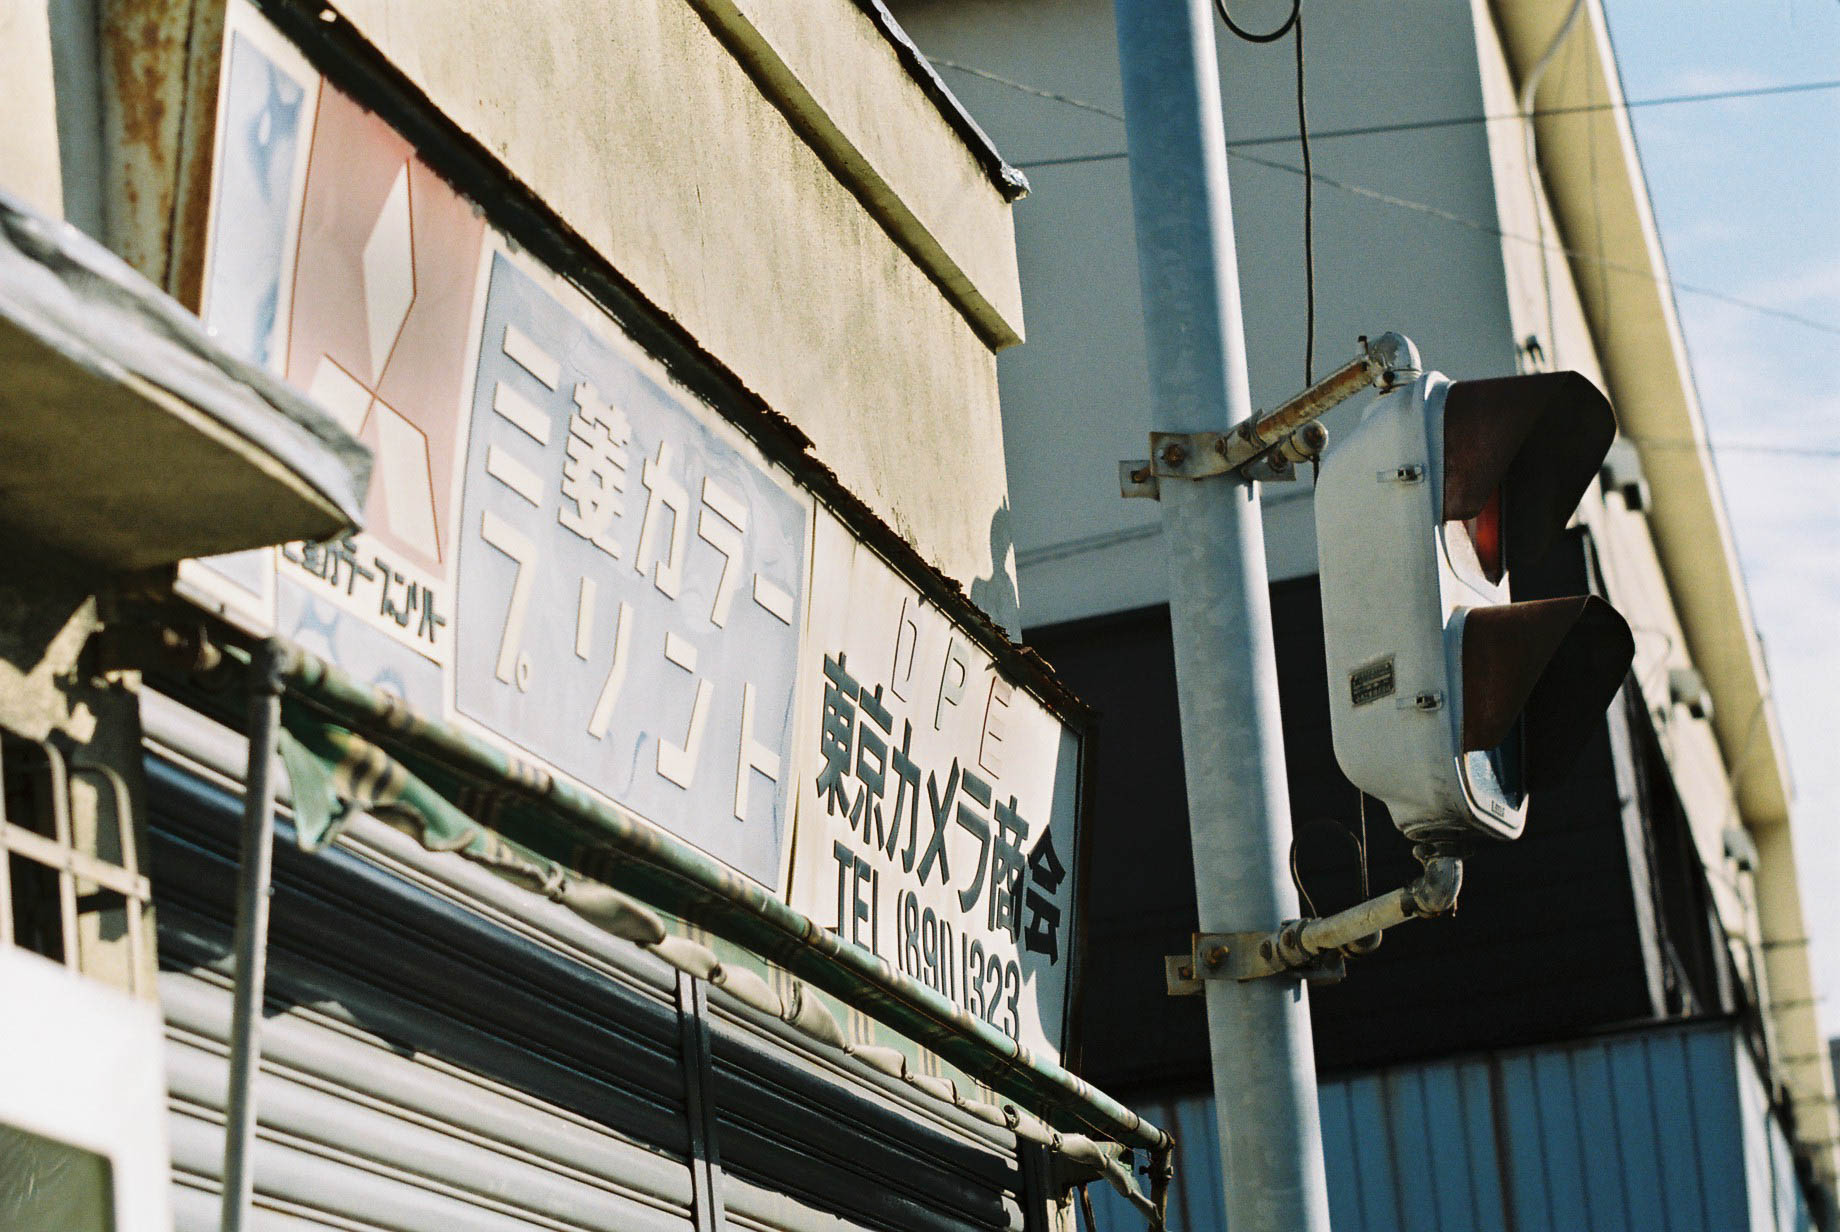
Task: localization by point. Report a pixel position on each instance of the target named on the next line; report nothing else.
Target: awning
(351, 748)
(128, 438)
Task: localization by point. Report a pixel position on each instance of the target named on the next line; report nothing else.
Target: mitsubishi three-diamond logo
(382, 297)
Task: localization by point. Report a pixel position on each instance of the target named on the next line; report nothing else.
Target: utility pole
(1226, 675)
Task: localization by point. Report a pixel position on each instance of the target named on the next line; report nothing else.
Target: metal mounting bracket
(1314, 949)
(1174, 455)
(1267, 447)
(1202, 455)
(1241, 957)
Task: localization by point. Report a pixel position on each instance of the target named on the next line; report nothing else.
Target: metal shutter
(446, 1051)
(843, 1139)
(422, 1067)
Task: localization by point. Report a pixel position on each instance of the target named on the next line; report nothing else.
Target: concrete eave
(1008, 180)
(128, 439)
(1606, 224)
(862, 96)
(843, 76)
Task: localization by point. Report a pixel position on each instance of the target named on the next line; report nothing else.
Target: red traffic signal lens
(1540, 437)
(1485, 534)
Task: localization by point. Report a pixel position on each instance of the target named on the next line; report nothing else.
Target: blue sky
(1744, 196)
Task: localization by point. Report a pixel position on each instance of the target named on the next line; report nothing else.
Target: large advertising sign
(569, 553)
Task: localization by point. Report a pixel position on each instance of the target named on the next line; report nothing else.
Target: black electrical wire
(1362, 808)
(1309, 214)
(1413, 126)
(1340, 831)
(1294, 25)
(1251, 37)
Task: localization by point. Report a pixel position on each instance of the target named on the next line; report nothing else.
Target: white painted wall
(1075, 395)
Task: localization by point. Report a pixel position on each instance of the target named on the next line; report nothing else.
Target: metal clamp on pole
(1267, 448)
(1314, 949)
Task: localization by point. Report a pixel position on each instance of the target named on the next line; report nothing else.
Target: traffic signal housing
(1447, 700)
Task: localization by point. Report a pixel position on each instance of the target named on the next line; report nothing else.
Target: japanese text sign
(568, 552)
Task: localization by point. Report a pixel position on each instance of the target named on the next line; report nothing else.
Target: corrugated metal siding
(1663, 1131)
(1769, 1167)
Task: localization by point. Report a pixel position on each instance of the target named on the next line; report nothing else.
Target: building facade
(555, 483)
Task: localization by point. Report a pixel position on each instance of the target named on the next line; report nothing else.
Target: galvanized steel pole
(253, 882)
(1226, 674)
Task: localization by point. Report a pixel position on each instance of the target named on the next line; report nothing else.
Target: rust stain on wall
(197, 154)
(159, 106)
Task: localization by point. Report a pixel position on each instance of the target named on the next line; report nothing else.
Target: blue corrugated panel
(1412, 1134)
(1479, 1134)
(1517, 1107)
(1663, 1131)
(1447, 1155)
(1594, 1096)
(1338, 1143)
(1637, 1136)
(1718, 1121)
(1373, 1156)
(1681, 1183)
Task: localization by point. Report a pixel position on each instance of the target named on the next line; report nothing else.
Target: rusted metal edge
(188, 231)
(158, 68)
(358, 68)
(143, 50)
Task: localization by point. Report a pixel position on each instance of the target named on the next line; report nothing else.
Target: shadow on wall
(996, 594)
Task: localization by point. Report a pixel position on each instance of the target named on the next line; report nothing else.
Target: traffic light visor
(1529, 443)
(1551, 664)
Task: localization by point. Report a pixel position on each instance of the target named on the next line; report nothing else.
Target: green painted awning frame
(531, 807)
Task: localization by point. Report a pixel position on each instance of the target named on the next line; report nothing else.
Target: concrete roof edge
(1635, 325)
(1009, 180)
(1644, 358)
(986, 293)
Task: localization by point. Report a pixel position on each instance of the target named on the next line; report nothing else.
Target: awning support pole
(253, 881)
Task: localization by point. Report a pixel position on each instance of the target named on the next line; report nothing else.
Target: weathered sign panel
(568, 552)
(634, 579)
(937, 801)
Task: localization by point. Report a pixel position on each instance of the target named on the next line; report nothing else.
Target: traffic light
(1447, 700)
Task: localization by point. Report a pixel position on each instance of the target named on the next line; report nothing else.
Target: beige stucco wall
(28, 137)
(647, 135)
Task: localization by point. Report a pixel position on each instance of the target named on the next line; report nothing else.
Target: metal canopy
(556, 821)
(128, 438)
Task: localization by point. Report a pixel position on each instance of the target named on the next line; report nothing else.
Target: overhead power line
(1237, 150)
(1025, 88)
(1763, 448)
(1409, 126)
(1597, 259)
